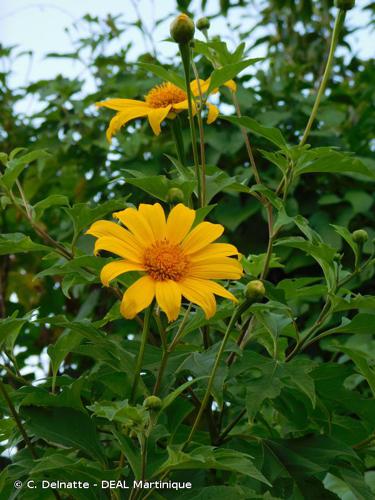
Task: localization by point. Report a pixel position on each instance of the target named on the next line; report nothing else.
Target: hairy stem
(144, 337)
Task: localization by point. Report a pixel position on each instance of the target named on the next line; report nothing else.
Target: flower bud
(152, 403)
(175, 194)
(255, 291)
(344, 4)
(203, 24)
(360, 236)
(182, 29)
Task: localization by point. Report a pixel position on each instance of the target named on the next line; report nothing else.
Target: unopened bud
(175, 194)
(182, 29)
(203, 24)
(255, 291)
(152, 403)
(360, 236)
(344, 4)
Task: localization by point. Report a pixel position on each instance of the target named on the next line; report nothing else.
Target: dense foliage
(290, 411)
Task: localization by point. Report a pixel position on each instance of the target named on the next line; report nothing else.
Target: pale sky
(39, 26)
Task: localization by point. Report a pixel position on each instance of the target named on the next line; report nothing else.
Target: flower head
(162, 101)
(174, 258)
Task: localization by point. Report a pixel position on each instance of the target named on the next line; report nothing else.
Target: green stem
(144, 337)
(17, 419)
(185, 56)
(168, 350)
(179, 141)
(323, 84)
(211, 379)
(201, 134)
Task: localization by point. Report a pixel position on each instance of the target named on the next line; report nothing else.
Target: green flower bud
(182, 29)
(203, 24)
(175, 194)
(344, 4)
(255, 291)
(152, 403)
(360, 236)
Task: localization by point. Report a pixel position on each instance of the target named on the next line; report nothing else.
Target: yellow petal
(209, 286)
(203, 86)
(213, 251)
(117, 247)
(202, 235)
(200, 296)
(219, 269)
(184, 105)
(102, 228)
(168, 296)
(213, 113)
(156, 116)
(154, 214)
(121, 104)
(113, 269)
(137, 297)
(181, 105)
(137, 224)
(231, 84)
(123, 117)
(179, 223)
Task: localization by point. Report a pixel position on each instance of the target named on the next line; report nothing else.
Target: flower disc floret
(164, 261)
(165, 94)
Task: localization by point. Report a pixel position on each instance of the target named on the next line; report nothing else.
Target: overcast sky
(39, 26)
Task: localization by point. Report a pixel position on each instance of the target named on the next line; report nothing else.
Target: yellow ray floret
(175, 259)
(162, 101)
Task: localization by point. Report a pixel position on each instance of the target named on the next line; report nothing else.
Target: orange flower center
(165, 94)
(165, 261)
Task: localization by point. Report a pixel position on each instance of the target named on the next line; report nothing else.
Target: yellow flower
(162, 101)
(175, 259)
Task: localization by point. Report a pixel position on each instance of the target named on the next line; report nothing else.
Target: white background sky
(39, 26)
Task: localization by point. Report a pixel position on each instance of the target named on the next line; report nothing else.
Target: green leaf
(362, 324)
(168, 400)
(271, 134)
(10, 328)
(65, 427)
(206, 457)
(362, 365)
(83, 215)
(347, 236)
(20, 243)
(327, 160)
(222, 75)
(52, 200)
(166, 75)
(322, 253)
(16, 165)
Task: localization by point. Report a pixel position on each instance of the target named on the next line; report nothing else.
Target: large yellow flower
(162, 101)
(175, 259)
